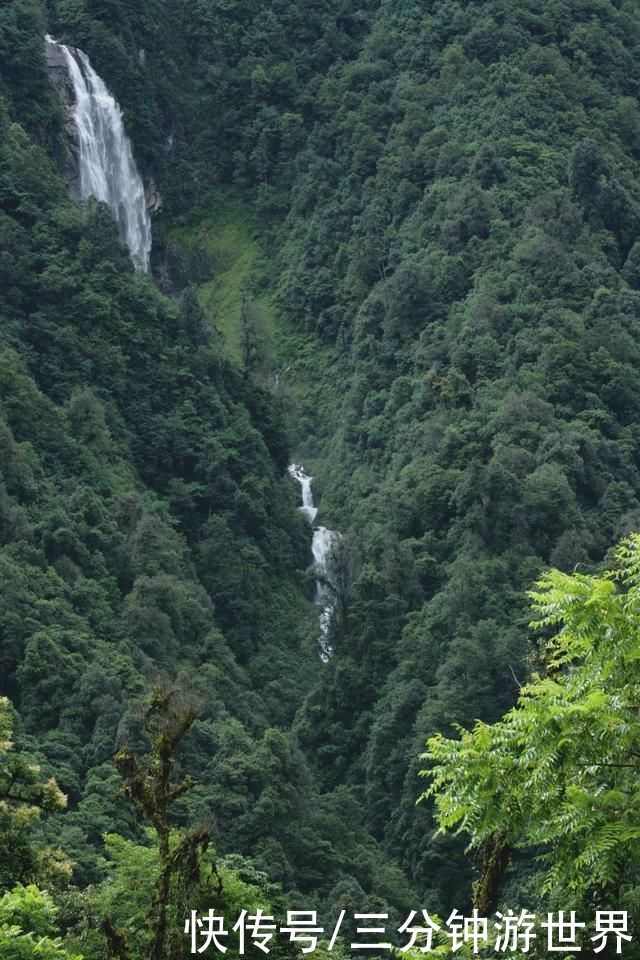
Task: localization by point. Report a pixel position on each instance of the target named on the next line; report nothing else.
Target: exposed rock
(55, 57)
(175, 267)
(153, 197)
(59, 76)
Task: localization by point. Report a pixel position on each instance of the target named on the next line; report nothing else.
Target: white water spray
(107, 168)
(308, 508)
(323, 540)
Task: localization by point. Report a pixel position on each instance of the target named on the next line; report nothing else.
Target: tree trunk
(162, 899)
(497, 853)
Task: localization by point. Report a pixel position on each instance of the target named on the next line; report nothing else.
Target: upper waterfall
(107, 169)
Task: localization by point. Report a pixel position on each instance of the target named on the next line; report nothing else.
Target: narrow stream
(323, 539)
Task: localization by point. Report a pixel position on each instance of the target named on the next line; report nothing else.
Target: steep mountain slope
(148, 526)
(445, 206)
(463, 229)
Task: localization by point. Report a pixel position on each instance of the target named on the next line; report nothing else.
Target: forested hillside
(398, 242)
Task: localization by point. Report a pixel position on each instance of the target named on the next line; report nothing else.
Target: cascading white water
(107, 167)
(323, 540)
(321, 545)
(308, 508)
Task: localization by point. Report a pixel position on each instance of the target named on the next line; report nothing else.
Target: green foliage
(459, 245)
(149, 783)
(558, 773)
(147, 523)
(24, 84)
(27, 927)
(434, 262)
(24, 796)
(227, 885)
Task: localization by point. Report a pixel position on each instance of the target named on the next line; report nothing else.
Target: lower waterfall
(323, 540)
(107, 169)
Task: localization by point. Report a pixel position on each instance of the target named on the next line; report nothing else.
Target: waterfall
(107, 168)
(323, 540)
(309, 510)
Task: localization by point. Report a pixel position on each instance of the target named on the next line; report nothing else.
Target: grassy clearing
(231, 238)
(228, 236)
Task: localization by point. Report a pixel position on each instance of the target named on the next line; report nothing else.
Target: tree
(148, 783)
(28, 927)
(27, 914)
(338, 579)
(486, 166)
(24, 796)
(252, 335)
(560, 770)
(631, 269)
(587, 171)
(193, 320)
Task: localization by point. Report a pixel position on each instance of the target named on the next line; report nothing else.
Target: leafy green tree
(631, 269)
(588, 171)
(24, 797)
(192, 318)
(559, 772)
(252, 335)
(28, 927)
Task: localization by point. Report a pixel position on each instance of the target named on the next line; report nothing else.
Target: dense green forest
(399, 242)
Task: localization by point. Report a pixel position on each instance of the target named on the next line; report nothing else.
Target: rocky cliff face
(59, 75)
